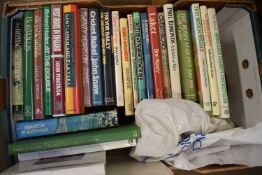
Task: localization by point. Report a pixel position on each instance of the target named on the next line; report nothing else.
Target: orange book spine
(73, 79)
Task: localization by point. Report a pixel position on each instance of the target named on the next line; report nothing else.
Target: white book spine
(172, 51)
(222, 89)
(117, 59)
(211, 69)
(200, 57)
(77, 150)
(133, 58)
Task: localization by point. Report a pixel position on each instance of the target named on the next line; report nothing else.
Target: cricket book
(156, 55)
(38, 65)
(172, 50)
(57, 57)
(95, 57)
(147, 57)
(47, 60)
(126, 65)
(185, 56)
(164, 55)
(52, 126)
(200, 58)
(117, 59)
(28, 72)
(211, 69)
(73, 66)
(85, 57)
(17, 37)
(141, 82)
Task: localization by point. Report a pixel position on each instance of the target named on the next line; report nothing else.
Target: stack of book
(66, 60)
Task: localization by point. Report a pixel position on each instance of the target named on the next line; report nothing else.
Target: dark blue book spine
(108, 63)
(147, 57)
(95, 56)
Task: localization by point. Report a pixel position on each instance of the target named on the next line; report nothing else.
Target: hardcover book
(95, 57)
(73, 66)
(85, 56)
(38, 65)
(17, 37)
(126, 63)
(117, 59)
(141, 82)
(156, 55)
(47, 60)
(133, 58)
(200, 58)
(28, 72)
(57, 61)
(164, 54)
(37, 128)
(147, 57)
(172, 50)
(185, 56)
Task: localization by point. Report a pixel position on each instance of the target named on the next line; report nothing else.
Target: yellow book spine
(126, 68)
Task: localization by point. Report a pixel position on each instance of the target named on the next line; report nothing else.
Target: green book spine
(75, 139)
(17, 69)
(47, 60)
(185, 55)
(28, 56)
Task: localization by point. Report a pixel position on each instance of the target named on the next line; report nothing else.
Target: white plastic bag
(162, 123)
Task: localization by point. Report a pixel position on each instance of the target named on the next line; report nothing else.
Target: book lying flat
(93, 163)
(75, 139)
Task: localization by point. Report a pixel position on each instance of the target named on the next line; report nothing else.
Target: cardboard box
(123, 8)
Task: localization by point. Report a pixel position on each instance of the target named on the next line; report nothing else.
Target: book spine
(77, 150)
(147, 57)
(38, 66)
(164, 54)
(219, 65)
(156, 52)
(17, 69)
(200, 58)
(133, 58)
(69, 140)
(211, 70)
(57, 61)
(85, 57)
(95, 57)
(141, 82)
(126, 63)
(73, 66)
(117, 59)
(37, 128)
(185, 55)
(172, 50)
(28, 52)
(47, 60)
(108, 62)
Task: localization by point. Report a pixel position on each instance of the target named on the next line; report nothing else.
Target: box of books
(72, 72)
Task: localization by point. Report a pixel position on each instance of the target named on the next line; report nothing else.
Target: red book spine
(85, 57)
(57, 61)
(38, 66)
(155, 51)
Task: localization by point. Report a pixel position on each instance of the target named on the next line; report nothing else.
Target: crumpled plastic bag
(163, 123)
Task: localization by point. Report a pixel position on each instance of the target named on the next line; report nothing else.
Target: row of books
(65, 58)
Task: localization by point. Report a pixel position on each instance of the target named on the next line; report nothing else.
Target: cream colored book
(126, 65)
(211, 69)
(222, 89)
(200, 58)
(133, 58)
(117, 59)
(172, 50)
